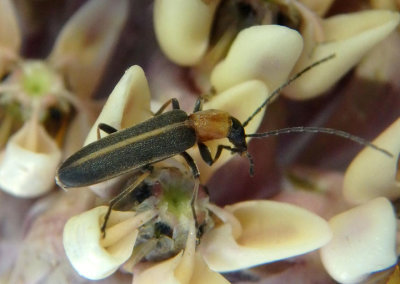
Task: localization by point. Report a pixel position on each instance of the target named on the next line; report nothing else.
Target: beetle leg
(106, 128)
(191, 163)
(196, 174)
(173, 101)
(206, 154)
(121, 196)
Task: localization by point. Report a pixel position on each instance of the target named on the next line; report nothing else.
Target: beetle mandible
(172, 133)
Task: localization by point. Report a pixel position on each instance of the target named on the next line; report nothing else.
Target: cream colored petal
(93, 256)
(178, 269)
(364, 240)
(10, 34)
(30, 161)
(183, 28)
(86, 42)
(240, 101)
(128, 104)
(349, 37)
(271, 231)
(372, 174)
(267, 53)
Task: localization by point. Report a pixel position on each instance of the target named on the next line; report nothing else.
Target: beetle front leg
(106, 128)
(121, 196)
(173, 101)
(206, 154)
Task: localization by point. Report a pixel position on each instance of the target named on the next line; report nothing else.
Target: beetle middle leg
(121, 196)
(195, 171)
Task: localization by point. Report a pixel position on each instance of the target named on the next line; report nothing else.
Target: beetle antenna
(251, 163)
(276, 92)
(302, 129)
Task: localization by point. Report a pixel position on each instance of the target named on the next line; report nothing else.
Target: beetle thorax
(211, 124)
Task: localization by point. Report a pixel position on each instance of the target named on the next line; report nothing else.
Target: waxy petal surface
(271, 231)
(364, 241)
(183, 28)
(266, 53)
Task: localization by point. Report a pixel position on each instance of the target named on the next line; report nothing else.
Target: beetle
(168, 134)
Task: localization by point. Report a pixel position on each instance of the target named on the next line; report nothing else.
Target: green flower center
(37, 79)
(178, 199)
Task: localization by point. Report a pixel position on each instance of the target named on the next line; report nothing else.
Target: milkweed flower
(41, 100)
(160, 237)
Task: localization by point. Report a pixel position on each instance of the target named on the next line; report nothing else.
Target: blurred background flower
(41, 100)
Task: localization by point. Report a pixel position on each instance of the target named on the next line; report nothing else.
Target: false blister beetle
(168, 134)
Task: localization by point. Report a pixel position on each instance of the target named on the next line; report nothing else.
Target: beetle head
(236, 136)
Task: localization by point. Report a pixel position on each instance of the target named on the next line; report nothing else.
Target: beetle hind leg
(121, 196)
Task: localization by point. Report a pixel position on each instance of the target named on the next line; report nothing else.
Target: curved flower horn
(93, 256)
(372, 174)
(127, 105)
